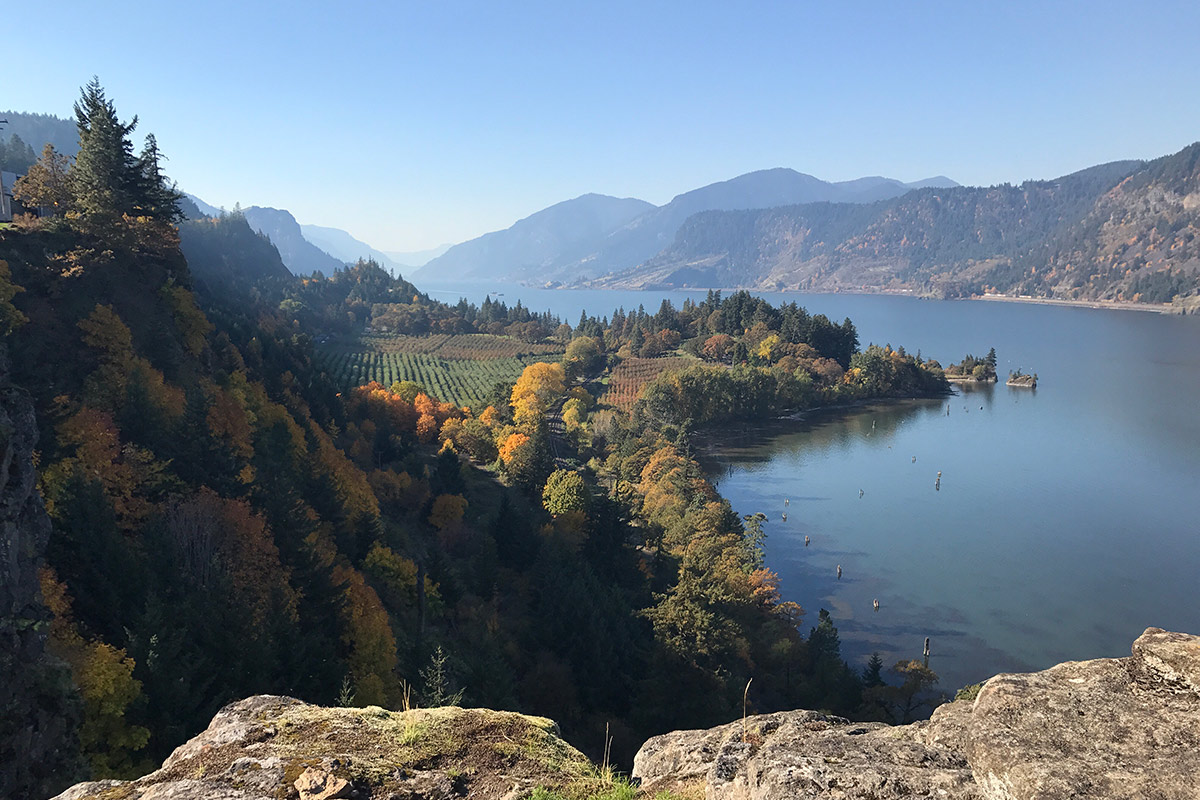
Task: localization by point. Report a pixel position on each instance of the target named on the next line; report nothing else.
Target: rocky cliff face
(1109, 728)
(38, 713)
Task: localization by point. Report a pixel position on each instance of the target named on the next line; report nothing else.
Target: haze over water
(1066, 522)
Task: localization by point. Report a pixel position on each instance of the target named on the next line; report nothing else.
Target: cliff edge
(275, 747)
(1108, 728)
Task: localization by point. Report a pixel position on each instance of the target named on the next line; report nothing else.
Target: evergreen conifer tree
(153, 196)
(104, 177)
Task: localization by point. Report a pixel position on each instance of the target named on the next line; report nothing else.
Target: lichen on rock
(280, 748)
(1109, 728)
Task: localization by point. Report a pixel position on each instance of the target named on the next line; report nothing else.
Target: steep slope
(301, 256)
(203, 208)
(39, 709)
(650, 233)
(1125, 230)
(225, 254)
(346, 248)
(535, 247)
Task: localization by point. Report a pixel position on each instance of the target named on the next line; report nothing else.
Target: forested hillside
(1120, 231)
(224, 521)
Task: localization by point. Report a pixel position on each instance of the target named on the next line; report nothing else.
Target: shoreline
(1112, 305)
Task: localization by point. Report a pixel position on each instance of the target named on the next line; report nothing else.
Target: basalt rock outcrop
(1108, 728)
(39, 711)
(277, 748)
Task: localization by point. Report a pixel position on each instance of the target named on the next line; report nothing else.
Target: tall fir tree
(154, 196)
(104, 177)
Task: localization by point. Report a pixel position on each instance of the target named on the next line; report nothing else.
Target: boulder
(1109, 728)
(268, 747)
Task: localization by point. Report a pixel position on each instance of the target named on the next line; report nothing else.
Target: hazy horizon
(415, 126)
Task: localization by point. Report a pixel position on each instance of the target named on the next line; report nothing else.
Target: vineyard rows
(632, 374)
(463, 346)
(460, 381)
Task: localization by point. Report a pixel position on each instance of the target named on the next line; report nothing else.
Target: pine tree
(153, 196)
(105, 176)
(16, 156)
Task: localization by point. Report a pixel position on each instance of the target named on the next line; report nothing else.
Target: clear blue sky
(414, 124)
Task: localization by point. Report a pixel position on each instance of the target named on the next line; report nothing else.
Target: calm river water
(1068, 518)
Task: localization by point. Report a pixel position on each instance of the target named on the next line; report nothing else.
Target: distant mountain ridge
(534, 247)
(418, 258)
(534, 250)
(300, 255)
(347, 249)
(1128, 230)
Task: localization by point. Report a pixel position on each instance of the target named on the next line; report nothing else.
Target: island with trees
(973, 370)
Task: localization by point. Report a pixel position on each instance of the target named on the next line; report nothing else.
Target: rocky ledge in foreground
(1109, 728)
(277, 747)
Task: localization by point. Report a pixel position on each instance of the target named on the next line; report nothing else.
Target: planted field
(632, 374)
(463, 346)
(461, 369)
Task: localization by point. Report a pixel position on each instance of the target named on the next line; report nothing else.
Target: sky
(414, 124)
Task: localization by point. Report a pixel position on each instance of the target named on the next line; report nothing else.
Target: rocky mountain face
(300, 255)
(39, 711)
(645, 236)
(1122, 231)
(1104, 729)
(1108, 728)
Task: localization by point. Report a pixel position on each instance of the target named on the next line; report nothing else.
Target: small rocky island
(1107, 728)
(1018, 378)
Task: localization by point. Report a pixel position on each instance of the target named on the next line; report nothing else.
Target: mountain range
(1125, 231)
(1128, 230)
(596, 234)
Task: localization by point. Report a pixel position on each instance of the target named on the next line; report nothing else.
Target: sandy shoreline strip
(1118, 305)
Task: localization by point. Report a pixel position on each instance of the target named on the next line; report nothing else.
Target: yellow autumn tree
(447, 511)
(104, 676)
(534, 392)
(368, 635)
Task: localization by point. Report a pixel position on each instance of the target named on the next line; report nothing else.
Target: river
(1067, 518)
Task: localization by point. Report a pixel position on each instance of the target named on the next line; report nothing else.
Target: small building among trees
(7, 179)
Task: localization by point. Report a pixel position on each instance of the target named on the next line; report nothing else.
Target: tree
(106, 174)
(11, 317)
(582, 357)
(565, 492)
(914, 691)
(16, 156)
(47, 183)
(539, 385)
(872, 673)
(152, 195)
